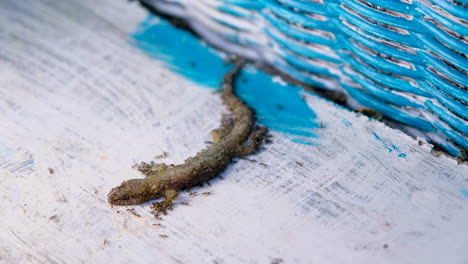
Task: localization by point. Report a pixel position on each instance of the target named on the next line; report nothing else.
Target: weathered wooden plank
(77, 98)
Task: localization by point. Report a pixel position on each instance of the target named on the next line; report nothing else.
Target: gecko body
(236, 137)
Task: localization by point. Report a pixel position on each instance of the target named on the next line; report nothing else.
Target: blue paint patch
(280, 107)
(385, 144)
(347, 123)
(6, 151)
(303, 141)
(390, 148)
(464, 192)
(181, 51)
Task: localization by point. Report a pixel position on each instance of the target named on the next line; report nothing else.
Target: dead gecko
(236, 137)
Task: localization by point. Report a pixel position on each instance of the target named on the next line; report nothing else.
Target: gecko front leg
(166, 204)
(225, 128)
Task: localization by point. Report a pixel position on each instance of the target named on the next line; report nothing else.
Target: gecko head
(131, 192)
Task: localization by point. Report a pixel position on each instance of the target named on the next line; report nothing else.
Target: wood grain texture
(76, 97)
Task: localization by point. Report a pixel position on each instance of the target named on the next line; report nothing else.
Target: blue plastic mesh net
(406, 59)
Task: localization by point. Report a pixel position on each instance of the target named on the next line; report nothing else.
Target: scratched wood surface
(79, 106)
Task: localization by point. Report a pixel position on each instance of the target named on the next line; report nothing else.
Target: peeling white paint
(88, 105)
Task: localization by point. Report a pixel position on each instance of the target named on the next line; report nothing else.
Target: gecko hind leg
(225, 128)
(253, 142)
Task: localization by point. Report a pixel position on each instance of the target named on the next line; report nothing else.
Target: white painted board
(77, 98)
